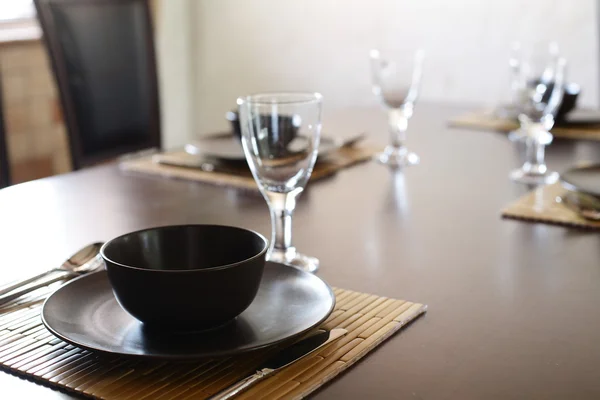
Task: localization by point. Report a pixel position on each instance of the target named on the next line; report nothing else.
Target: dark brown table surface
(513, 306)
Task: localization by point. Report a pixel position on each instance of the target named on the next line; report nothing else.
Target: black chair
(4, 162)
(102, 54)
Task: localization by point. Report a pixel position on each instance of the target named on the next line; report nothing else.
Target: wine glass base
(523, 135)
(295, 259)
(533, 178)
(397, 158)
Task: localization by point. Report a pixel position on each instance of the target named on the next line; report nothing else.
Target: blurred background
(210, 52)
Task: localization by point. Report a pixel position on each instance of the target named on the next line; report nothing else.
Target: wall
(36, 136)
(175, 58)
(242, 47)
(210, 52)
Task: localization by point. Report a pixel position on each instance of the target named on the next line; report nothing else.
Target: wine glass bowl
(280, 137)
(396, 84)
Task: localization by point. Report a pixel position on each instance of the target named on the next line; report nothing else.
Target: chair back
(4, 161)
(102, 54)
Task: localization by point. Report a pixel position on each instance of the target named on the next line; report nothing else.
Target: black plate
(583, 179)
(289, 302)
(227, 147)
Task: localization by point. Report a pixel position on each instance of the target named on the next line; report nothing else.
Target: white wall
(248, 46)
(176, 56)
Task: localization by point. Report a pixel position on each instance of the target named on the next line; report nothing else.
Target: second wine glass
(396, 82)
(540, 94)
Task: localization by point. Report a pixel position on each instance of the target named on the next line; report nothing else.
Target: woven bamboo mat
(240, 177)
(487, 120)
(28, 349)
(540, 205)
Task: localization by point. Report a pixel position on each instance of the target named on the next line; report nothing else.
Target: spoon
(85, 260)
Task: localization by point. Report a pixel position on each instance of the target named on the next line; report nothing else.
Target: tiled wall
(36, 135)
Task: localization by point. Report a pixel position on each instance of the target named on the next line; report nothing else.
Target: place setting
(570, 122)
(568, 198)
(219, 158)
(201, 311)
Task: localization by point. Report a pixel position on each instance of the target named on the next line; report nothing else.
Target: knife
(282, 359)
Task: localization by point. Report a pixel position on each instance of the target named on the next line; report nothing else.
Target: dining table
(513, 306)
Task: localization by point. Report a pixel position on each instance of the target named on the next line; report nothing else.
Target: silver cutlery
(85, 260)
(282, 359)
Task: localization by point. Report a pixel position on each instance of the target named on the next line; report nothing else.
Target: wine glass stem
(398, 123)
(281, 207)
(534, 155)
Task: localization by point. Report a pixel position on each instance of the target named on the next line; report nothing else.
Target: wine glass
(396, 82)
(280, 136)
(540, 94)
(514, 62)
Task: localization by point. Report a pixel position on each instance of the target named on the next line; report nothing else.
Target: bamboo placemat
(28, 349)
(488, 120)
(338, 160)
(540, 205)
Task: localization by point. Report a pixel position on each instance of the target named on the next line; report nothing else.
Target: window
(18, 21)
(14, 10)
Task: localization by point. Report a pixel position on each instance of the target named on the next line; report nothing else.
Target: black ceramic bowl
(185, 277)
(569, 101)
(285, 125)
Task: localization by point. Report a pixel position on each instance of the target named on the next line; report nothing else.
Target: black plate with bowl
(289, 303)
(185, 277)
(584, 179)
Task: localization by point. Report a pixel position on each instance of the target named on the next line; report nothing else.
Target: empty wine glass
(514, 62)
(540, 94)
(280, 136)
(396, 82)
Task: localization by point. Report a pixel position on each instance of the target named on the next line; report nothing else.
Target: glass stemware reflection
(280, 136)
(540, 94)
(396, 83)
